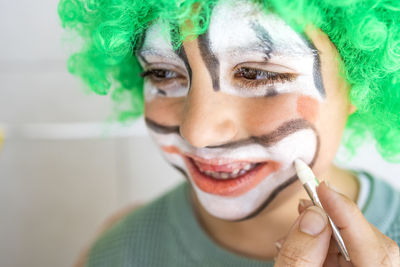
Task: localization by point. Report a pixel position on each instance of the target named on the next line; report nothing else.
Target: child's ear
(352, 109)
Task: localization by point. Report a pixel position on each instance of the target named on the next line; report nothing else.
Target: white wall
(54, 192)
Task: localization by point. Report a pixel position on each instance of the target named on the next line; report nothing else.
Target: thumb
(307, 242)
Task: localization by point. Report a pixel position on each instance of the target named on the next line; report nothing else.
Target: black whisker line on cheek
(266, 40)
(269, 199)
(182, 171)
(209, 59)
(267, 140)
(283, 131)
(286, 184)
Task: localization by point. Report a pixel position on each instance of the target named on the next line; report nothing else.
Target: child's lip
(223, 166)
(222, 161)
(232, 187)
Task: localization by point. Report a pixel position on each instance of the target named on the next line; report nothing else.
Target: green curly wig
(365, 32)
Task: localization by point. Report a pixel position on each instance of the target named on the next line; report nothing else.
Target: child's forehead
(237, 27)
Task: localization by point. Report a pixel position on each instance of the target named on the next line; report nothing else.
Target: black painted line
(265, 38)
(271, 197)
(280, 188)
(317, 73)
(180, 51)
(209, 59)
(161, 92)
(283, 131)
(271, 92)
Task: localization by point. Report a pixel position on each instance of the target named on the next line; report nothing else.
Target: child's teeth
(227, 175)
(247, 167)
(224, 175)
(216, 175)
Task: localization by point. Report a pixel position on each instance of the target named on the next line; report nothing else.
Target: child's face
(236, 106)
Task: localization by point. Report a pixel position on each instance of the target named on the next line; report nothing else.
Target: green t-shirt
(166, 233)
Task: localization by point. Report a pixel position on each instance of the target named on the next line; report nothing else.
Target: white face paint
(241, 32)
(234, 204)
(157, 53)
(233, 181)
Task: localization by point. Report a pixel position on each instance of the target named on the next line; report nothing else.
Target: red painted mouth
(228, 178)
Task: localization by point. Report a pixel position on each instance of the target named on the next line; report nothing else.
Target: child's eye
(166, 82)
(160, 74)
(254, 82)
(267, 77)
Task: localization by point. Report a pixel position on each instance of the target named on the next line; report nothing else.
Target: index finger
(364, 248)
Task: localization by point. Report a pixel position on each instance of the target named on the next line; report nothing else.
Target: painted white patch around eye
(157, 49)
(233, 25)
(158, 38)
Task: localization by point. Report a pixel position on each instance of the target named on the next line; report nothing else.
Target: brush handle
(339, 240)
(312, 193)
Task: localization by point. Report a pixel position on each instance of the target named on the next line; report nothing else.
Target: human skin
(206, 112)
(309, 241)
(269, 120)
(195, 115)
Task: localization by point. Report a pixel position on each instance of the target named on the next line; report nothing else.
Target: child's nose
(209, 117)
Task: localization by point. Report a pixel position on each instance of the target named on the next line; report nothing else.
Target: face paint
(236, 180)
(174, 35)
(162, 63)
(265, 38)
(243, 32)
(316, 69)
(182, 54)
(264, 160)
(209, 59)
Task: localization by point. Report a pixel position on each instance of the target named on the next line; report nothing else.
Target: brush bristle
(304, 172)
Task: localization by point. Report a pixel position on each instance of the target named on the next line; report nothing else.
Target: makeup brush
(310, 184)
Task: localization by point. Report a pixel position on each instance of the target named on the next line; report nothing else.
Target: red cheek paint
(308, 108)
(171, 149)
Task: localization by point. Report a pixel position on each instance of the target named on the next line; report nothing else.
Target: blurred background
(63, 168)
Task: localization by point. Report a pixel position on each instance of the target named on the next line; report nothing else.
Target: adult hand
(309, 241)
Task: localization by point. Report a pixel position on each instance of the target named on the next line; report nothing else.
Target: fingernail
(279, 243)
(313, 221)
(302, 203)
(278, 246)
